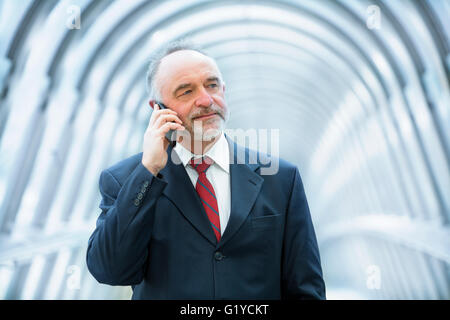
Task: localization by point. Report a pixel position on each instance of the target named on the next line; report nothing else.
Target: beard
(214, 126)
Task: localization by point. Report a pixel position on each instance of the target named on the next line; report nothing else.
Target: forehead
(185, 65)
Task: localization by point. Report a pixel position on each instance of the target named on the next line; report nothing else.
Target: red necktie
(206, 192)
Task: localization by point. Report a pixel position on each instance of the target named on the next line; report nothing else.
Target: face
(190, 83)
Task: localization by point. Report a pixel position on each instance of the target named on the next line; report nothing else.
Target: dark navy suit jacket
(154, 235)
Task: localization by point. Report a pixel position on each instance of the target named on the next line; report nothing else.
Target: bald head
(180, 47)
(176, 70)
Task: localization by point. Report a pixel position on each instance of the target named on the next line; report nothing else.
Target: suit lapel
(181, 192)
(245, 186)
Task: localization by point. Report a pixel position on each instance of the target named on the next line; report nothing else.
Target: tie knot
(201, 164)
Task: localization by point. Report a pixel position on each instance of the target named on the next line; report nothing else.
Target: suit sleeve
(118, 248)
(302, 273)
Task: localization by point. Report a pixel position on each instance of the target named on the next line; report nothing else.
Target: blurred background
(359, 91)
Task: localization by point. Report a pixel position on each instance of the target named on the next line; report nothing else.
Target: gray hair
(157, 56)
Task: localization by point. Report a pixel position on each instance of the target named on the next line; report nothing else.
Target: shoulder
(122, 169)
(257, 159)
(268, 164)
(279, 175)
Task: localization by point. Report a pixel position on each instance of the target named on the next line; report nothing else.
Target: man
(197, 220)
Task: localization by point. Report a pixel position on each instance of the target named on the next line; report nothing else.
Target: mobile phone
(171, 134)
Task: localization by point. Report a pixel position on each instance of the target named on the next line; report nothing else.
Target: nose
(203, 99)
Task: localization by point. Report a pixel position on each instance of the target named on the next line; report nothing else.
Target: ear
(152, 103)
(223, 87)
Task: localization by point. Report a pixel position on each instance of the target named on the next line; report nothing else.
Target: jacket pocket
(266, 222)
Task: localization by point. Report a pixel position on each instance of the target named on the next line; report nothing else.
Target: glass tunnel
(357, 92)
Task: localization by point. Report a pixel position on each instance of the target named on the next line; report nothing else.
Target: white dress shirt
(218, 174)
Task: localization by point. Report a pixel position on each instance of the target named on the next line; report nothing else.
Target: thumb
(166, 143)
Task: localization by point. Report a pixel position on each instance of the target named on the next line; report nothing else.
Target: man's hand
(155, 144)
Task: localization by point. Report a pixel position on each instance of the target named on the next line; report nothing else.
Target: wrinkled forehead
(184, 62)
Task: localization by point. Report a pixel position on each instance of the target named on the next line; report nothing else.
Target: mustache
(212, 109)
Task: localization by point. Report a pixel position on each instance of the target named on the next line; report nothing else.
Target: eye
(186, 92)
(212, 85)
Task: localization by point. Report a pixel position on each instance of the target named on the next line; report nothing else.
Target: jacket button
(218, 256)
(136, 202)
(146, 184)
(140, 196)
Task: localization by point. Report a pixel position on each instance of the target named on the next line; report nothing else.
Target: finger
(165, 110)
(166, 143)
(158, 112)
(170, 126)
(153, 116)
(174, 118)
(162, 119)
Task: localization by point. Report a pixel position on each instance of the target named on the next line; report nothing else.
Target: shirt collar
(219, 153)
